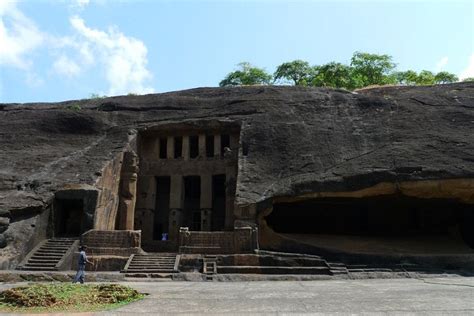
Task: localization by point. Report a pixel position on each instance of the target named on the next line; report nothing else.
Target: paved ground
(454, 295)
(398, 296)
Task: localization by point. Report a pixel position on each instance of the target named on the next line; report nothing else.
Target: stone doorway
(69, 217)
(192, 202)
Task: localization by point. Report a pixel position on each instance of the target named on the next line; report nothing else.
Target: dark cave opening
(69, 215)
(398, 216)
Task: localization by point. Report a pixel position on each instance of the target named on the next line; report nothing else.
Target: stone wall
(109, 250)
(241, 240)
(112, 239)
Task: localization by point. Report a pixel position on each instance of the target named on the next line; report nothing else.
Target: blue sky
(60, 50)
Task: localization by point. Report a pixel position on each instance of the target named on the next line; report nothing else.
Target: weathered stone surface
(294, 140)
(298, 139)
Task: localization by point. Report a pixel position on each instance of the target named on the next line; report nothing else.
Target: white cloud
(67, 67)
(441, 64)
(468, 72)
(19, 36)
(124, 58)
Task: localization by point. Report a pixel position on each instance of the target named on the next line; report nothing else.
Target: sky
(61, 50)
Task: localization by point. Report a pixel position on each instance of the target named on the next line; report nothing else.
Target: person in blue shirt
(81, 265)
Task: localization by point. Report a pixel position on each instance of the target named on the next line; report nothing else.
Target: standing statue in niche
(128, 191)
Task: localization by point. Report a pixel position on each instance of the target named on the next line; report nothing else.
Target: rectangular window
(210, 146)
(178, 147)
(225, 142)
(163, 147)
(193, 146)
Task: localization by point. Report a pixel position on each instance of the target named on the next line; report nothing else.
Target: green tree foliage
(469, 79)
(298, 71)
(372, 69)
(335, 75)
(246, 75)
(408, 77)
(364, 70)
(425, 77)
(445, 77)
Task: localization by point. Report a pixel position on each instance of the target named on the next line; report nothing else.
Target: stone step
(151, 258)
(40, 264)
(55, 250)
(150, 266)
(147, 259)
(45, 260)
(34, 268)
(151, 261)
(273, 270)
(149, 271)
(46, 255)
(370, 270)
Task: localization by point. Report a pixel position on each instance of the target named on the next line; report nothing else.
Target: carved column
(170, 147)
(176, 206)
(206, 202)
(186, 147)
(217, 145)
(128, 190)
(202, 145)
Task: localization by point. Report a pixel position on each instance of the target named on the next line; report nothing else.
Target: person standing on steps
(80, 275)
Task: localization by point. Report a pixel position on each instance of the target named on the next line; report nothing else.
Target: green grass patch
(56, 297)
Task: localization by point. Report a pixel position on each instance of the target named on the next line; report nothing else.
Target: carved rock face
(294, 140)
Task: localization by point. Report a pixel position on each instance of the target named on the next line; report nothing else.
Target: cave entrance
(69, 217)
(383, 217)
(192, 200)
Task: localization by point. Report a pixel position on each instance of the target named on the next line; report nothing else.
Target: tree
(408, 77)
(246, 75)
(334, 75)
(445, 77)
(425, 77)
(298, 71)
(469, 79)
(372, 69)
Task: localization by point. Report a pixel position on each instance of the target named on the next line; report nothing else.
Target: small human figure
(81, 265)
(164, 236)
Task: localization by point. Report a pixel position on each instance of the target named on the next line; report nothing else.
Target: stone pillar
(176, 206)
(206, 202)
(186, 147)
(145, 206)
(217, 145)
(202, 145)
(170, 147)
(128, 190)
(155, 151)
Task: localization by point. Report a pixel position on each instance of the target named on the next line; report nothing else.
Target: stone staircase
(337, 268)
(50, 255)
(209, 266)
(152, 264)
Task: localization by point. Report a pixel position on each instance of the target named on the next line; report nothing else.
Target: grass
(66, 297)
